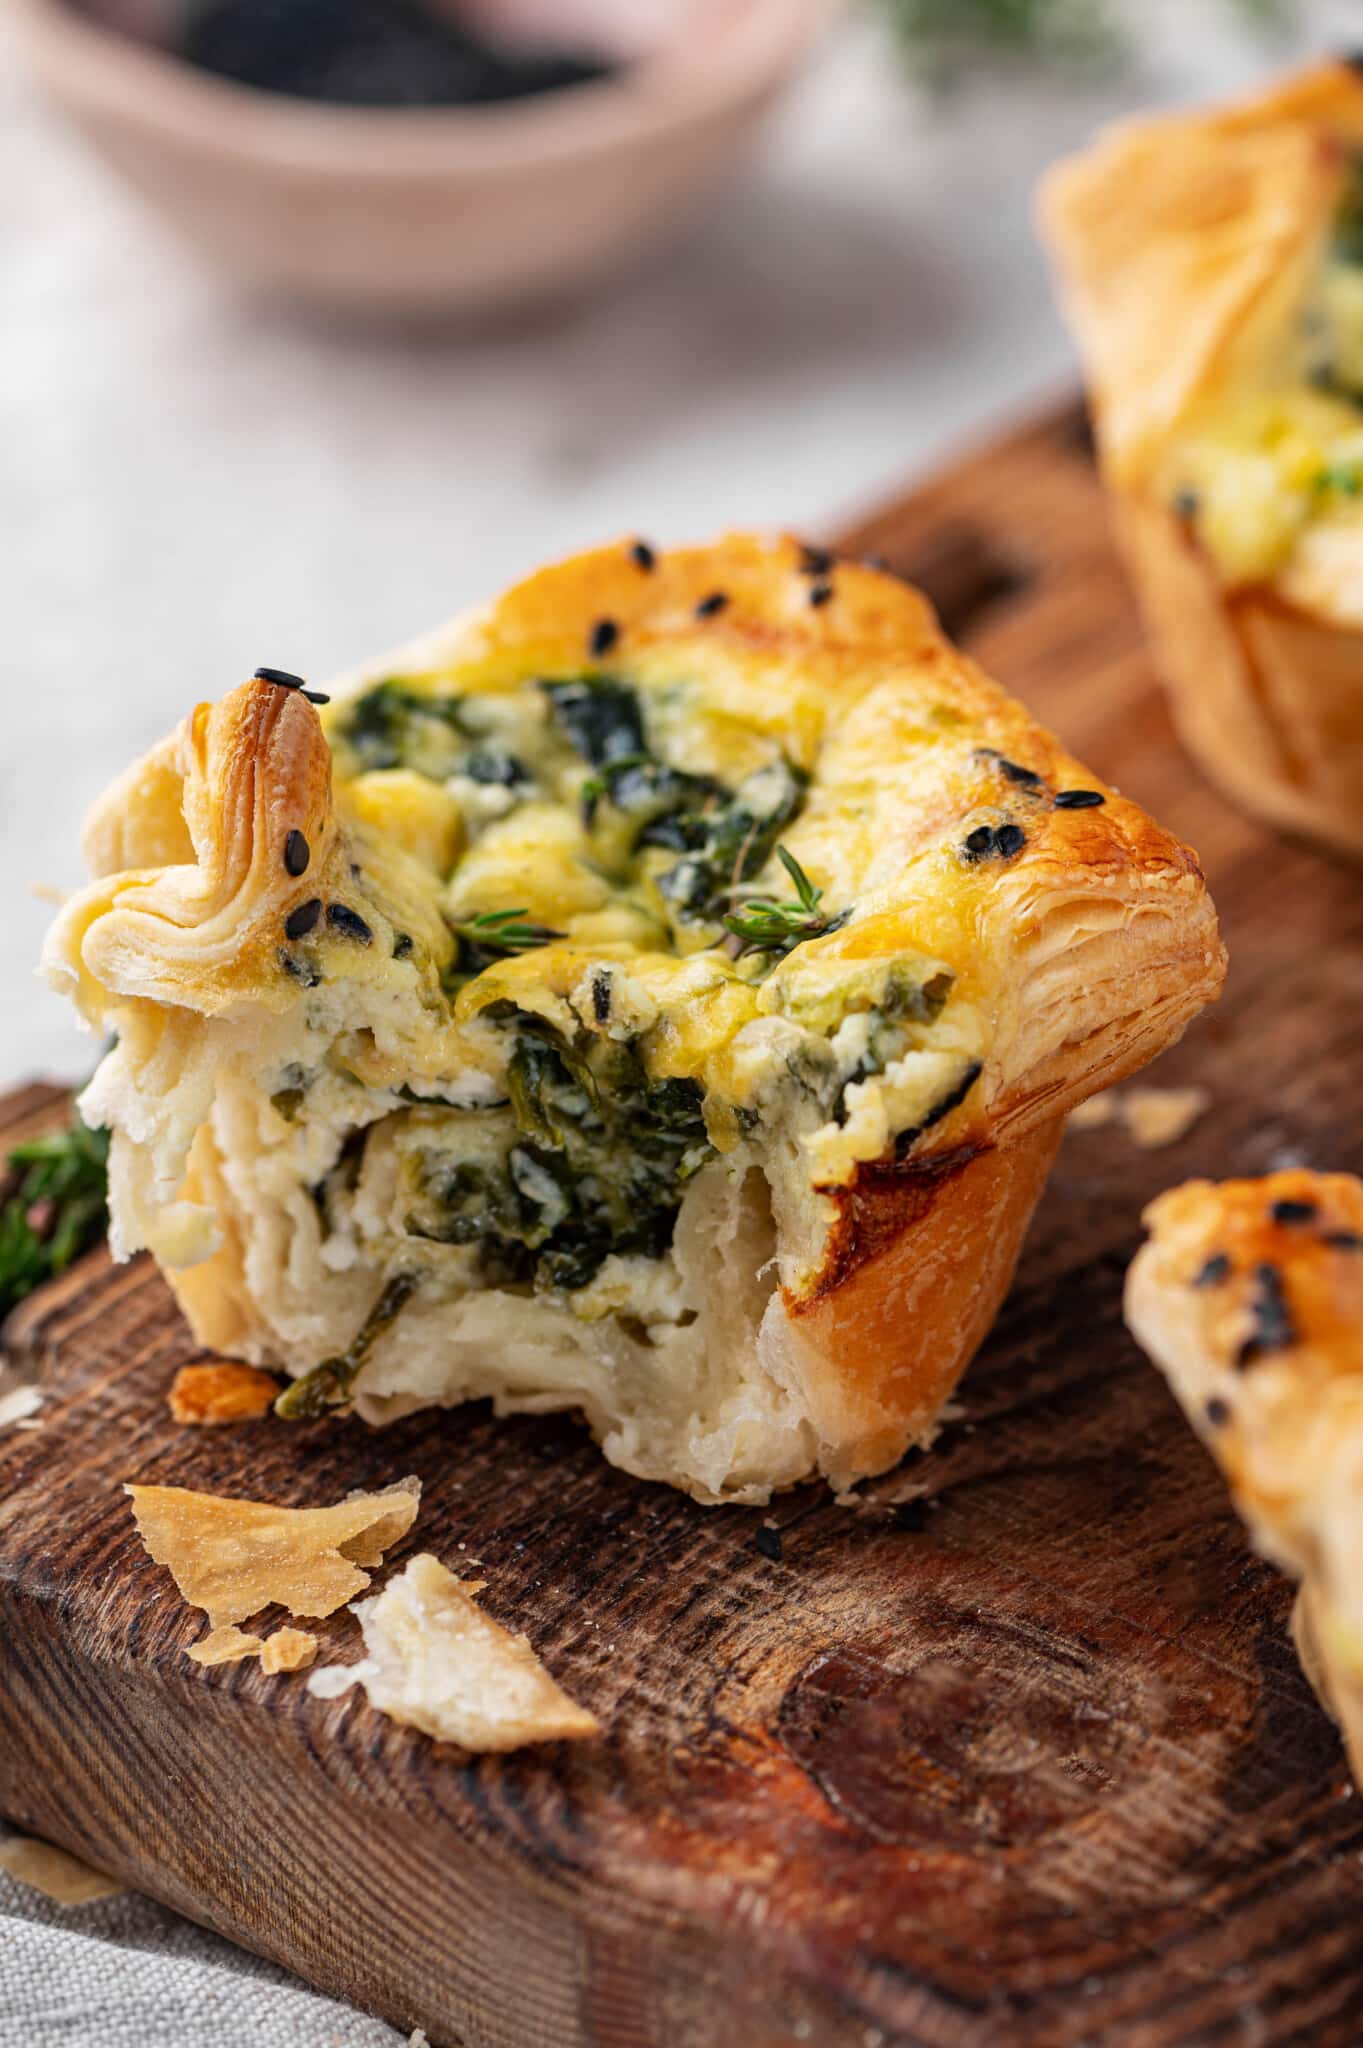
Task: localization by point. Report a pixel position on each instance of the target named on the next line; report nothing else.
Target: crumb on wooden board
(1150, 1117)
(210, 1395)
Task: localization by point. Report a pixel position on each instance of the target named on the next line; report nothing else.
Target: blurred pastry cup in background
(1212, 268)
(304, 148)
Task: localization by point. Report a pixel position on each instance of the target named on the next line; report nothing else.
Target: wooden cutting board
(1015, 1751)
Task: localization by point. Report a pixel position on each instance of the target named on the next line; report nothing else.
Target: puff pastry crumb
(205, 1395)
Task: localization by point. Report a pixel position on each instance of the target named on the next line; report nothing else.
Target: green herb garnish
(53, 1207)
(329, 1384)
(767, 926)
(500, 932)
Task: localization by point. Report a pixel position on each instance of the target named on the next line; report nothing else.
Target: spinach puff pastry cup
(1249, 1297)
(441, 1074)
(1213, 268)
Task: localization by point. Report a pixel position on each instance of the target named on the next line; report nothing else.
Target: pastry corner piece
(1212, 267)
(1249, 1297)
(657, 995)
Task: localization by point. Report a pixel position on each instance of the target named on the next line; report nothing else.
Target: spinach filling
(725, 836)
(729, 843)
(599, 1163)
(394, 726)
(601, 718)
(493, 767)
(631, 801)
(330, 1384)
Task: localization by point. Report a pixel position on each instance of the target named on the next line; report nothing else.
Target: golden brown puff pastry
(1212, 266)
(440, 1073)
(1249, 1297)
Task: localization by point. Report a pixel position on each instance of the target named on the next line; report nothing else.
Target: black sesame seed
(715, 602)
(819, 594)
(1290, 1211)
(1213, 1271)
(980, 843)
(348, 923)
(1079, 799)
(1028, 777)
(286, 681)
(402, 946)
(601, 997)
(1011, 839)
(768, 1541)
(1343, 1240)
(815, 561)
(603, 636)
(1218, 1412)
(1186, 503)
(643, 556)
(297, 853)
(1273, 1327)
(301, 921)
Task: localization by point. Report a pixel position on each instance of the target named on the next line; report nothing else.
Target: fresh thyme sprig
(52, 1207)
(764, 925)
(499, 931)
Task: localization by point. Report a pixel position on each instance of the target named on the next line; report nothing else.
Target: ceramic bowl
(466, 210)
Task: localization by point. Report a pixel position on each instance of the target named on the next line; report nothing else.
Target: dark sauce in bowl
(359, 53)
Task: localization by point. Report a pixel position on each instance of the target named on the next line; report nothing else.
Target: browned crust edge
(938, 1243)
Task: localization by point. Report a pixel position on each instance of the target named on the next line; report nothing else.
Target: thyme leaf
(500, 932)
(764, 925)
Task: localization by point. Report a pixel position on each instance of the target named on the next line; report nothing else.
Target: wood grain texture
(1015, 1751)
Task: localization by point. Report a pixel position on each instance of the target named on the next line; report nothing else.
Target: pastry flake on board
(437, 1662)
(234, 1557)
(288, 1649)
(225, 1391)
(228, 1645)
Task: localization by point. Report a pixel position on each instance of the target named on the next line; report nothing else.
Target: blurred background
(284, 381)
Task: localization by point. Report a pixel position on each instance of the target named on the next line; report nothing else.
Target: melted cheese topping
(1269, 471)
(555, 858)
